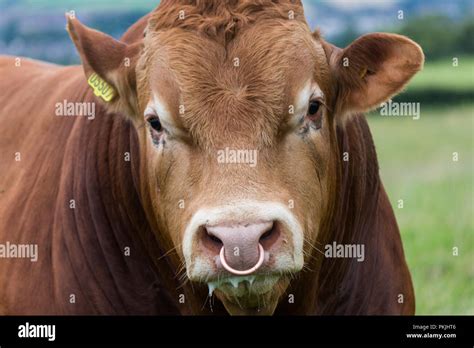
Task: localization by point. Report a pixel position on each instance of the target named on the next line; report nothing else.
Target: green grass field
(416, 163)
(442, 75)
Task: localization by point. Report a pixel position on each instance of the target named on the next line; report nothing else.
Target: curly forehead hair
(221, 20)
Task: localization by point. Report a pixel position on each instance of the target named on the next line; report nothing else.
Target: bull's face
(238, 142)
(239, 146)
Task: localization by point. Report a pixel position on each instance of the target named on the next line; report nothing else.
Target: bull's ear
(372, 69)
(109, 66)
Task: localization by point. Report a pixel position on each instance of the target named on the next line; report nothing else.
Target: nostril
(214, 239)
(244, 236)
(270, 236)
(210, 241)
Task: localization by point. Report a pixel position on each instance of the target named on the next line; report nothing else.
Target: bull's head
(236, 113)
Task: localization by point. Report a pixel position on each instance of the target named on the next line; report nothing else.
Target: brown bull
(227, 153)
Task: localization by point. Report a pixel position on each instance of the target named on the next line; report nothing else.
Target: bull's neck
(350, 218)
(361, 216)
(102, 225)
(354, 222)
(110, 237)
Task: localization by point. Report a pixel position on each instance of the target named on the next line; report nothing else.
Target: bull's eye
(157, 132)
(155, 123)
(155, 127)
(314, 114)
(313, 108)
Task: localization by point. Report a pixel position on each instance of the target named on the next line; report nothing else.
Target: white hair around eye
(158, 107)
(308, 92)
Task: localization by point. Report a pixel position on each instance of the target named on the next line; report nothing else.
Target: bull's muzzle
(242, 238)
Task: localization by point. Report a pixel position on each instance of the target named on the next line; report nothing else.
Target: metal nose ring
(247, 271)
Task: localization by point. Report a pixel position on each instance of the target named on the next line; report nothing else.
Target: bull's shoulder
(10, 63)
(30, 93)
(23, 74)
(25, 79)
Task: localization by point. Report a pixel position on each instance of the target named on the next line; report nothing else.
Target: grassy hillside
(417, 166)
(443, 75)
(441, 83)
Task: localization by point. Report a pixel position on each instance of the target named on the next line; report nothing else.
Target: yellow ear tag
(101, 88)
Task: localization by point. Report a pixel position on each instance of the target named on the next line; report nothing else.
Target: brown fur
(133, 203)
(220, 20)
